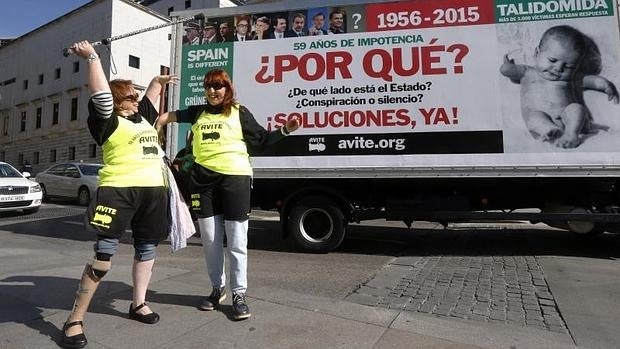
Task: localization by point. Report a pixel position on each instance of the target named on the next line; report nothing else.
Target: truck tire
(583, 228)
(316, 224)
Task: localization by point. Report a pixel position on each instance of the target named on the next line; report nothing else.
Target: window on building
(5, 126)
(20, 159)
(25, 84)
(2, 155)
(92, 151)
(35, 157)
(53, 155)
(72, 153)
(170, 9)
(76, 66)
(22, 122)
(55, 112)
(57, 73)
(188, 4)
(8, 81)
(134, 62)
(74, 108)
(41, 78)
(38, 116)
(165, 71)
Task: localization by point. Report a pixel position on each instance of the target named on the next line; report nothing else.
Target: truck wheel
(584, 228)
(316, 224)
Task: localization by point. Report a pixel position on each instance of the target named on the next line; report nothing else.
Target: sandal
(74, 342)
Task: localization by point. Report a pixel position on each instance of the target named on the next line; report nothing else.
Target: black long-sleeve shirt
(255, 136)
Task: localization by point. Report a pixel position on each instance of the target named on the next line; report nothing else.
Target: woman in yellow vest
(131, 188)
(220, 182)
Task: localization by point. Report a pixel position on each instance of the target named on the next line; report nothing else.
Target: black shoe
(216, 297)
(240, 307)
(151, 318)
(74, 342)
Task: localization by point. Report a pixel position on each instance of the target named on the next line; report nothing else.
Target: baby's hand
(612, 92)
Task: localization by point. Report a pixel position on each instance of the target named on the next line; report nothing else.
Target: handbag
(180, 222)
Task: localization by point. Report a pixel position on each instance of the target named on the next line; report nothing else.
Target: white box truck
(429, 110)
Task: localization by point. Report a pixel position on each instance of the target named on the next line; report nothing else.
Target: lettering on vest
(147, 139)
(211, 127)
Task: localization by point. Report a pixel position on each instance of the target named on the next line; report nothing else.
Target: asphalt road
(488, 271)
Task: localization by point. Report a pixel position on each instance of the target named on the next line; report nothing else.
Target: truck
(420, 110)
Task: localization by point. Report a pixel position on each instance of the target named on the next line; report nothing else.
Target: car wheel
(83, 196)
(43, 193)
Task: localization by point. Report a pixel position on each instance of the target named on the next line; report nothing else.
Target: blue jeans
(212, 230)
(144, 250)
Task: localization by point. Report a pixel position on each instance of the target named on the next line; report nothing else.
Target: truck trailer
(443, 111)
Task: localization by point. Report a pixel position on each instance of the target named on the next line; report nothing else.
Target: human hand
(83, 48)
(167, 79)
(293, 124)
(612, 93)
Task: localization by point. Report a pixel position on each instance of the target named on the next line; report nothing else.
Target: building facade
(44, 95)
(166, 7)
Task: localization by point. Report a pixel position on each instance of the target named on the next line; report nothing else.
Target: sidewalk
(39, 273)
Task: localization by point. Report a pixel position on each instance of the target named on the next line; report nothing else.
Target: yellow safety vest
(132, 156)
(218, 143)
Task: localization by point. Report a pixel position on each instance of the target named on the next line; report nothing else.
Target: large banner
(425, 82)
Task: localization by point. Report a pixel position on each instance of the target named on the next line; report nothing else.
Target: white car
(70, 180)
(18, 192)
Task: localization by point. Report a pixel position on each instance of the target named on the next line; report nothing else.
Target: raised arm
(165, 119)
(156, 85)
(162, 121)
(512, 70)
(97, 81)
(599, 83)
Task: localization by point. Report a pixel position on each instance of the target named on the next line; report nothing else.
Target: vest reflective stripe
(218, 143)
(132, 156)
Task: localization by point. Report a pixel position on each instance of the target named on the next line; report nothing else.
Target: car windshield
(90, 170)
(8, 171)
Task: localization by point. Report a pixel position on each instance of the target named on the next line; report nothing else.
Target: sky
(18, 17)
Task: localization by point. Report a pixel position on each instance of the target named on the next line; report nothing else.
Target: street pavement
(404, 302)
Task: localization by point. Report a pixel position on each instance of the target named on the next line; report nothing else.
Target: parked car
(72, 180)
(18, 192)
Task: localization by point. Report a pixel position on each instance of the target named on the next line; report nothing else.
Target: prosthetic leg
(73, 334)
